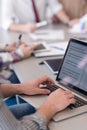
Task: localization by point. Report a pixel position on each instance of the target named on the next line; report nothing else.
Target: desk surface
(29, 69)
(32, 70)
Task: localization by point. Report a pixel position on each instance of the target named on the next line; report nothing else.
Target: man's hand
(33, 87)
(55, 19)
(11, 47)
(57, 101)
(64, 98)
(27, 50)
(73, 22)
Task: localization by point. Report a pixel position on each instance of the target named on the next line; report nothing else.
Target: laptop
(72, 76)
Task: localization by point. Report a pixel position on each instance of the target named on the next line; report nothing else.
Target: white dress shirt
(21, 11)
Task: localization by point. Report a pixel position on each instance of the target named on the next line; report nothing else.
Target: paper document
(41, 24)
(55, 50)
(47, 35)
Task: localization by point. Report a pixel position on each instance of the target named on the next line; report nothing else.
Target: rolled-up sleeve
(7, 14)
(55, 6)
(33, 122)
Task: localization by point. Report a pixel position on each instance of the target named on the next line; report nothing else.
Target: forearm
(9, 89)
(17, 27)
(63, 17)
(7, 58)
(47, 110)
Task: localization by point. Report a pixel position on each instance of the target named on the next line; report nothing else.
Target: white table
(30, 69)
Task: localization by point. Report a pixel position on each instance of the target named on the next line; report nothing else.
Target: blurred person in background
(22, 15)
(75, 9)
(10, 53)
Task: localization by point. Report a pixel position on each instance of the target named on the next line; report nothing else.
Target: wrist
(20, 53)
(18, 88)
(47, 110)
(2, 47)
(67, 22)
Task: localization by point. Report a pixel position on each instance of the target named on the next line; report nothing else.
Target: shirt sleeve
(7, 14)
(7, 58)
(55, 6)
(34, 122)
(16, 56)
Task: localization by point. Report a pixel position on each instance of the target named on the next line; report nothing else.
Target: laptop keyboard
(79, 102)
(52, 87)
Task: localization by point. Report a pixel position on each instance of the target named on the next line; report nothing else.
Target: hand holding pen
(19, 39)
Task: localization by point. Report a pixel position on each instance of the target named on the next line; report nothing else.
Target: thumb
(35, 46)
(44, 91)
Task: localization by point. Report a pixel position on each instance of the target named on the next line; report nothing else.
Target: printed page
(47, 35)
(56, 49)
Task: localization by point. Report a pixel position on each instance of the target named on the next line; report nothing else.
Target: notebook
(47, 35)
(53, 64)
(55, 49)
(72, 76)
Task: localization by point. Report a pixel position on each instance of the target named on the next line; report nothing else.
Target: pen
(58, 48)
(19, 39)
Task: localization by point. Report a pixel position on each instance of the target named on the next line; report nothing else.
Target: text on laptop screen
(73, 71)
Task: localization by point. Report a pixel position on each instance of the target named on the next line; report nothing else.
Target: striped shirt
(5, 60)
(9, 122)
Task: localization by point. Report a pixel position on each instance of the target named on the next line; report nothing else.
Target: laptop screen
(73, 71)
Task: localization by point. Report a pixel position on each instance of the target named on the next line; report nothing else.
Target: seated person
(24, 15)
(74, 9)
(9, 53)
(40, 119)
(13, 54)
